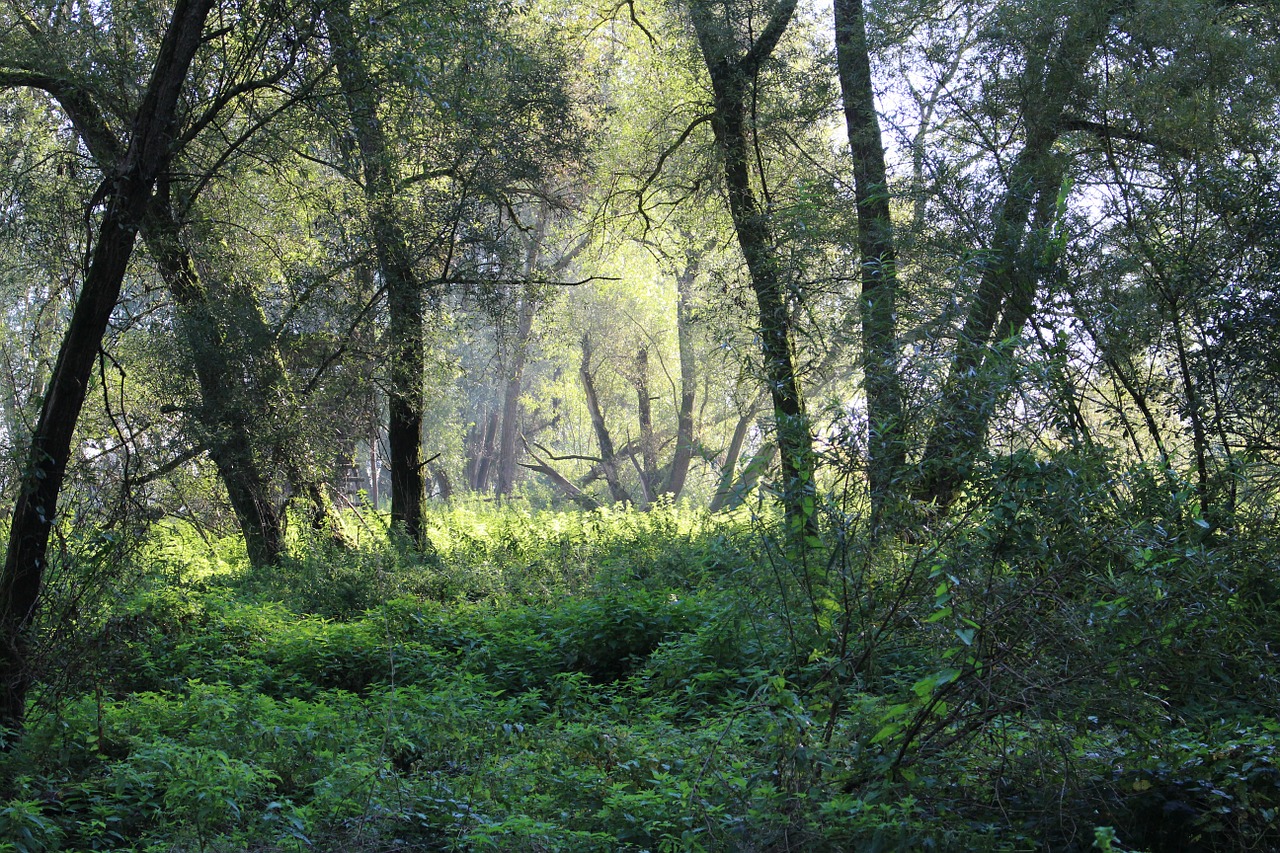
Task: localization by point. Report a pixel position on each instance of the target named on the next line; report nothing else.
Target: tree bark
(507, 462)
(484, 459)
(1016, 264)
(688, 377)
(886, 446)
(729, 468)
(644, 415)
(223, 414)
(126, 194)
(407, 356)
(732, 78)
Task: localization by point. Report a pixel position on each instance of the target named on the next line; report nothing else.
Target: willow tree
(396, 262)
(451, 109)
(246, 404)
(1020, 248)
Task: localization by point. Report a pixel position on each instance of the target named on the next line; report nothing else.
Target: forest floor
(664, 681)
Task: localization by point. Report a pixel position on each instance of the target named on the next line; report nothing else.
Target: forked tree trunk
(608, 454)
(126, 194)
(733, 76)
(977, 380)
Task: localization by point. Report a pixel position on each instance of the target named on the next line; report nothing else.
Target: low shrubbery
(1032, 675)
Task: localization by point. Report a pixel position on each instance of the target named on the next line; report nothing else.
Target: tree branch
(768, 41)
(1107, 133)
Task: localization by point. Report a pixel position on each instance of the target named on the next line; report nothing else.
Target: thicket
(1071, 661)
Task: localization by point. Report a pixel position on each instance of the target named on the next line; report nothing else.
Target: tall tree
(734, 62)
(886, 445)
(405, 289)
(125, 195)
(683, 455)
(240, 418)
(1018, 257)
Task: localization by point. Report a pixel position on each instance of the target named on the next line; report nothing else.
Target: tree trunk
(231, 431)
(1006, 292)
(375, 462)
(507, 462)
(688, 377)
(886, 446)
(407, 356)
(729, 468)
(648, 444)
(443, 485)
(235, 357)
(741, 487)
(126, 193)
(484, 461)
(608, 455)
(732, 79)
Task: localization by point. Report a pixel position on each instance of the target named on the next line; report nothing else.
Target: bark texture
(1016, 261)
(886, 446)
(407, 356)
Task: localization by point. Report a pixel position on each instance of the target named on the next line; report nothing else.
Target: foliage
(1048, 671)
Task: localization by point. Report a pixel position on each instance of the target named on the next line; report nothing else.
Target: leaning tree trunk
(977, 382)
(407, 356)
(126, 193)
(229, 427)
(729, 467)
(732, 78)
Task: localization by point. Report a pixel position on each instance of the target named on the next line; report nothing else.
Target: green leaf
(938, 615)
(886, 732)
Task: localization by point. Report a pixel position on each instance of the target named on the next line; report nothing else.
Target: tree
(734, 71)
(497, 120)
(242, 415)
(1019, 254)
(878, 261)
(125, 195)
(405, 290)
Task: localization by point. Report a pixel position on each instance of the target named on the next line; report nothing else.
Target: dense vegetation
(651, 425)
(1033, 676)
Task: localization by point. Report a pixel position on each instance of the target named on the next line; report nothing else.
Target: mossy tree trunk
(733, 74)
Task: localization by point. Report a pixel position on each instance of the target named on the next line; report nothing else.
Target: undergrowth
(1029, 676)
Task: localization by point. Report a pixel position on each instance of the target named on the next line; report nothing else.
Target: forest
(640, 425)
